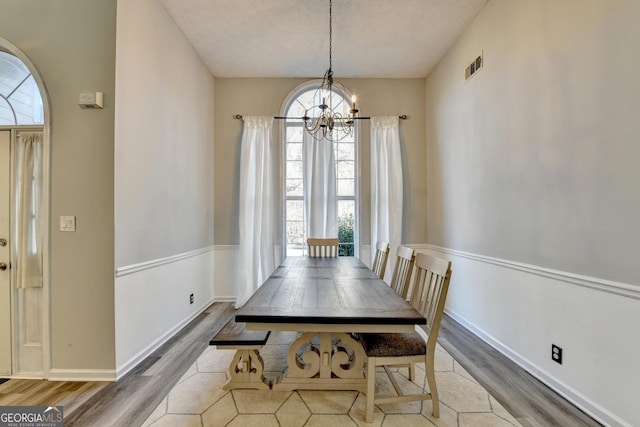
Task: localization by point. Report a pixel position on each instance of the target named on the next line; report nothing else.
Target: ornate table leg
(324, 366)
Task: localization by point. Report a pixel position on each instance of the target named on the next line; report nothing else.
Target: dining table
(328, 301)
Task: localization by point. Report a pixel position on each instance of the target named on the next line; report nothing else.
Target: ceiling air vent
(473, 68)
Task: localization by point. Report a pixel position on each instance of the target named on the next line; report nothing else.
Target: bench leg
(246, 371)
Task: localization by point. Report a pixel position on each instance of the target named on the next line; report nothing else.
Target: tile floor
(198, 399)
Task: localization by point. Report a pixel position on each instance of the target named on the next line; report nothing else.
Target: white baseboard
(108, 375)
(580, 400)
(513, 356)
(124, 368)
(592, 408)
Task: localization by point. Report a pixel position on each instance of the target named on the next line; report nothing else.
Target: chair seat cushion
(393, 345)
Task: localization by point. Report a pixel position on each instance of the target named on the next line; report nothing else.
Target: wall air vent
(473, 68)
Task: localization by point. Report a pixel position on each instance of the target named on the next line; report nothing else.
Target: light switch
(67, 223)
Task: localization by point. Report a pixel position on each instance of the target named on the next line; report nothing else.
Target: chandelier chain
(322, 121)
(330, 34)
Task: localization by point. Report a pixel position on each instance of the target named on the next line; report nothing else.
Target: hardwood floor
(531, 402)
(70, 395)
(130, 401)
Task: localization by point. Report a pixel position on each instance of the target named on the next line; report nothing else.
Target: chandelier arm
(240, 117)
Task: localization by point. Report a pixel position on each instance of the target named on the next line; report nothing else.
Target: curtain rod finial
(238, 116)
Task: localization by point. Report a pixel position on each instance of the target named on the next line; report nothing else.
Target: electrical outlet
(556, 354)
(191, 299)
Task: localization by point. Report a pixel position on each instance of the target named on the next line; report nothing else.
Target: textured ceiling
(290, 38)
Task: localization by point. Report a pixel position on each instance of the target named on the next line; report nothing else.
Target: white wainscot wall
(152, 302)
(522, 309)
(227, 265)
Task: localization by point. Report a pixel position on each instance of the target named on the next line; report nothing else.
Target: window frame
(15, 99)
(284, 125)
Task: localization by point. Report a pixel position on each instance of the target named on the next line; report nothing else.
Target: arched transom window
(20, 100)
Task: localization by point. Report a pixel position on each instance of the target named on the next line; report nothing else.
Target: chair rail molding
(617, 288)
(154, 263)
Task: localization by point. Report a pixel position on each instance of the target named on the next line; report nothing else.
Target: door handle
(3, 242)
(3, 266)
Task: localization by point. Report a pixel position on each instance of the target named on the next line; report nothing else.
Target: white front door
(5, 276)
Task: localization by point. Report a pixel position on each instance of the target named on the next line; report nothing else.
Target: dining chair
(323, 248)
(400, 280)
(402, 271)
(380, 259)
(430, 287)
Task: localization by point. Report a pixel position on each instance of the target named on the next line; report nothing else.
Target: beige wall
(72, 43)
(163, 181)
(163, 139)
(535, 158)
(375, 97)
(247, 97)
(533, 191)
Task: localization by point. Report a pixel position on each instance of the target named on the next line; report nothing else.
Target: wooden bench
(247, 367)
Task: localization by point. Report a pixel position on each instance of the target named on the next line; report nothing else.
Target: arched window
(346, 167)
(20, 100)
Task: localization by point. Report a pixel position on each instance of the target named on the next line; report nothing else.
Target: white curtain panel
(320, 201)
(28, 210)
(257, 206)
(386, 185)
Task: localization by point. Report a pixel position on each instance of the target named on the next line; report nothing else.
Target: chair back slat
(430, 287)
(323, 248)
(380, 259)
(402, 271)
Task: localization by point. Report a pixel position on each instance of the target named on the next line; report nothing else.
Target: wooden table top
(328, 291)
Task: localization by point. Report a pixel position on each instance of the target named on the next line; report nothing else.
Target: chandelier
(329, 118)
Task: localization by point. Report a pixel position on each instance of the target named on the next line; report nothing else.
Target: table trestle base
(324, 364)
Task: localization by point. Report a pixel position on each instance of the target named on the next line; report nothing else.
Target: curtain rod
(239, 117)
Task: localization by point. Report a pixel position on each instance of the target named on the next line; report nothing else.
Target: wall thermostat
(91, 100)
